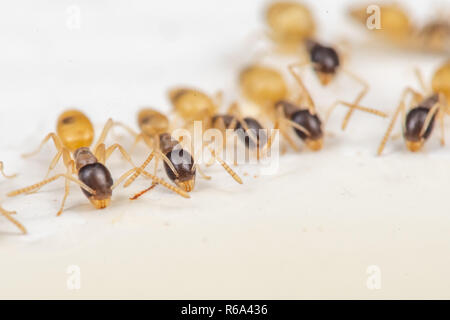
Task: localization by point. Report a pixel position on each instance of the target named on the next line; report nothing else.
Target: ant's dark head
(325, 59)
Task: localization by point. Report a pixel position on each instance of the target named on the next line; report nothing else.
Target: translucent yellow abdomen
(75, 130)
(192, 104)
(290, 22)
(263, 85)
(441, 81)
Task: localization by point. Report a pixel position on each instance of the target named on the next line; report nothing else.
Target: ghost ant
(73, 138)
(290, 24)
(398, 28)
(418, 121)
(304, 120)
(7, 214)
(179, 164)
(193, 105)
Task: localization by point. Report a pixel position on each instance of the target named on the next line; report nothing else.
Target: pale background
(310, 231)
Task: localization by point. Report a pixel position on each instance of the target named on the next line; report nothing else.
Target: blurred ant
(300, 116)
(291, 21)
(397, 27)
(193, 105)
(7, 214)
(74, 135)
(418, 121)
(179, 164)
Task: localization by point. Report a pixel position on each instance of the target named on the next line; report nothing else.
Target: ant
(7, 214)
(74, 136)
(418, 122)
(248, 129)
(292, 20)
(193, 105)
(179, 164)
(305, 121)
(398, 28)
(290, 24)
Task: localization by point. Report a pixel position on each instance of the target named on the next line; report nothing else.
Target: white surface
(309, 231)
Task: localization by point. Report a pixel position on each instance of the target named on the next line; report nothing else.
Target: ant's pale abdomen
(192, 104)
(75, 130)
(152, 122)
(263, 85)
(441, 81)
(290, 22)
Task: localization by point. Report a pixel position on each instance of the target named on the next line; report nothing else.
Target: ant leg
(57, 142)
(162, 182)
(100, 153)
(139, 194)
(356, 107)
(227, 168)
(7, 215)
(220, 125)
(358, 99)
(138, 171)
(200, 171)
(138, 138)
(127, 128)
(61, 153)
(47, 181)
(400, 108)
(429, 119)
(269, 141)
(442, 124)
(108, 125)
(419, 77)
(58, 145)
(3, 173)
(281, 126)
(235, 111)
(69, 165)
(122, 150)
(310, 102)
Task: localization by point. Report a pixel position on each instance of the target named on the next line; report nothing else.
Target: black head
(183, 163)
(414, 122)
(312, 124)
(325, 59)
(97, 177)
(255, 132)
